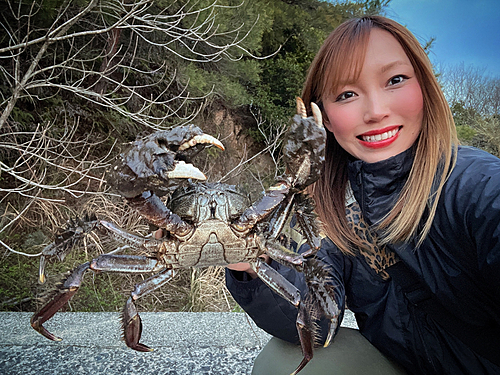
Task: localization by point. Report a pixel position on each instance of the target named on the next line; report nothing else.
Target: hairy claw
(157, 162)
(304, 147)
(65, 240)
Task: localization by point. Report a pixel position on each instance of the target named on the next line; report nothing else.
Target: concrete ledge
(184, 343)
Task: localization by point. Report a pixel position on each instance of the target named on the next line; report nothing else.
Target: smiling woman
(379, 114)
(413, 220)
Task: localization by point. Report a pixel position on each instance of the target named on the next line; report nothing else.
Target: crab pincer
(304, 146)
(155, 162)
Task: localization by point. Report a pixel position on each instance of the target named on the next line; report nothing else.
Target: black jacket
(459, 261)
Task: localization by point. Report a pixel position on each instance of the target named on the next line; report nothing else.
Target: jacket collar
(376, 186)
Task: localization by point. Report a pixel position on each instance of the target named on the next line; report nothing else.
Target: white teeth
(380, 137)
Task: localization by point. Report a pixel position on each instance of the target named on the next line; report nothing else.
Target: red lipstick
(379, 138)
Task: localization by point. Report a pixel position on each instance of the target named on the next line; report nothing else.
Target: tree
(298, 29)
(94, 55)
(471, 86)
(474, 98)
(95, 52)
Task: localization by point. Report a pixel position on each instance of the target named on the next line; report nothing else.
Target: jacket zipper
(359, 178)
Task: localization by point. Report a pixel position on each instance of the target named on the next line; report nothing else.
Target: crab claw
(304, 146)
(153, 162)
(183, 170)
(132, 327)
(59, 299)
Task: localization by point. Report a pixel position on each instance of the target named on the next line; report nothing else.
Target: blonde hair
(434, 151)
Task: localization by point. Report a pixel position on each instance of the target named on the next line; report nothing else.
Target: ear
(326, 123)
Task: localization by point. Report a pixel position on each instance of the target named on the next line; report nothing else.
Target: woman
(425, 291)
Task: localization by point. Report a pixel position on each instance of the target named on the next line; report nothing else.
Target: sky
(465, 31)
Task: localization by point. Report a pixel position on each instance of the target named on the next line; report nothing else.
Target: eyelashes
(400, 78)
(393, 81)
(345, 95)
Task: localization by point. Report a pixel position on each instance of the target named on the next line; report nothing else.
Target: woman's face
(379, 115)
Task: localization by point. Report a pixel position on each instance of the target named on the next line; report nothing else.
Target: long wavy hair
(340, 59)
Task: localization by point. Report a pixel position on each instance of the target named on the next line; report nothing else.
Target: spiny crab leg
(274, 280)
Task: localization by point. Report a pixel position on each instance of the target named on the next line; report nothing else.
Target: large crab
(208, 224)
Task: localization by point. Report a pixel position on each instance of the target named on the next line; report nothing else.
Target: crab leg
(130, 238)
(264, 207)
(308, 224)
(68, 290)
(322, 294)
(280, 253)
(153, 210)
(131, 321)
(306, 336)
(125, 263)
(289, 292)
(114, 263)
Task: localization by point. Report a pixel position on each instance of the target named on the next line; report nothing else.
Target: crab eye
(203, 200)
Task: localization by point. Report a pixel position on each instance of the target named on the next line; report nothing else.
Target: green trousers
(349, 354)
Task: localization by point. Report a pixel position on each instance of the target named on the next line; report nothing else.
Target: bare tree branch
(190, 34)
(273, 137)
(108, 53)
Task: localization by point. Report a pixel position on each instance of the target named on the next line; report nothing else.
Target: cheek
(411, 104)
(341, 120)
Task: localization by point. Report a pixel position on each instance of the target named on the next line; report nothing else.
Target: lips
(379, 138)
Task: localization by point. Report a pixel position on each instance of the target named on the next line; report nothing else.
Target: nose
(376, 108)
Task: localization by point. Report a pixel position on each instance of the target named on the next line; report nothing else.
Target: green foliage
(237, 309)
(15, 283)
(18, 115)
(297, 32)
(475, 129)
(288, 33)
(465, 134)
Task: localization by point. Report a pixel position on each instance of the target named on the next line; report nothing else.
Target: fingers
(243, 267)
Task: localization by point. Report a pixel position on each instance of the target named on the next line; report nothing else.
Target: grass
(190, 290)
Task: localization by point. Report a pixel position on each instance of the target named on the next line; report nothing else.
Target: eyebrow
(391, 65)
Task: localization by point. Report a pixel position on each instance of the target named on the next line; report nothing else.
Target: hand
(245, 267)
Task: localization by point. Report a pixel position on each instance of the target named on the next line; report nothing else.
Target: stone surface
(184, 343)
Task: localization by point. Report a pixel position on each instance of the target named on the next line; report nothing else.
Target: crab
(208, 224)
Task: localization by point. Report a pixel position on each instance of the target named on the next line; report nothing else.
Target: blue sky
(466, 31)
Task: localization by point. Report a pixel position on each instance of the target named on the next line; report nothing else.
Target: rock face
(233, 166)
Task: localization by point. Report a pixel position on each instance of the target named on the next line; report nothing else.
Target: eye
(345, 95)
(397, 80)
